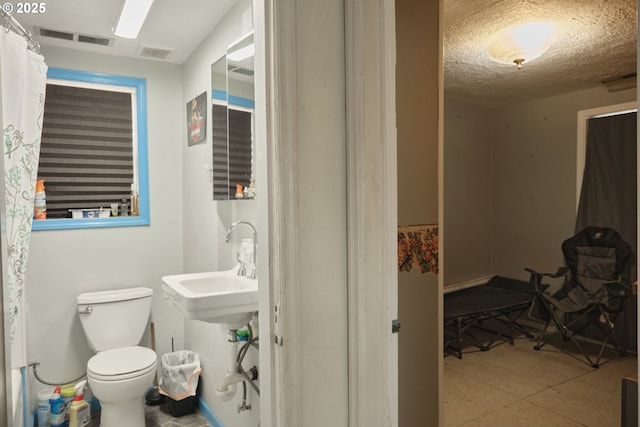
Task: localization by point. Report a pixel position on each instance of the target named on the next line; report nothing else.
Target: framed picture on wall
(197, 119)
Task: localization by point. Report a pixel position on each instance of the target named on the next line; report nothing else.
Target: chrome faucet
(242, 270)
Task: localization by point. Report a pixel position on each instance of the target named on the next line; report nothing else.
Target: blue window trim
(221, 95)
(143, 160)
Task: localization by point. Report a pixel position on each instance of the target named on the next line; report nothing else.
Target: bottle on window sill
(135, 201)
(40, 202)
(124, 208)
(239, 191)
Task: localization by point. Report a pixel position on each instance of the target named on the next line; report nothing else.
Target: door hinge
(395, 326)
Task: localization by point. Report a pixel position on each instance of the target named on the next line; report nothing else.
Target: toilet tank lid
(114, 295)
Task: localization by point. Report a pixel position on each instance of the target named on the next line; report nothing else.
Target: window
(583, 119)
(232, 128)
(240, 148)
(94, 149)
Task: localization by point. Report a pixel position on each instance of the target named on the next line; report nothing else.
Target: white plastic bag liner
(180, 372)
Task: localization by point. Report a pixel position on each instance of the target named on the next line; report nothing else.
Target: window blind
(220, 153)
(240, 148)
(86, 154)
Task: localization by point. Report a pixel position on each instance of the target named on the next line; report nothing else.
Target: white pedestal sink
(214, 297)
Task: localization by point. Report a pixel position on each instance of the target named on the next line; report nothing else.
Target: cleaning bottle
(43, 408)
(56, 416)
(135, 201)
(80, 410)
(67, 393)
(40, 202)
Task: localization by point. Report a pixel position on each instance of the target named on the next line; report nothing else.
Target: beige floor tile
(556, 346)
(592, 399)
(622, 366)
(521, 360)
(465, 398)
(521, 414)
(583, 408)
(484, 370)
(545, 388)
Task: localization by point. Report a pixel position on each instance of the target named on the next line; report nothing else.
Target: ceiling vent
(240, 70)
(616, 84)
(102, 41)
(73, 37)
(54, 34)
(154, 52)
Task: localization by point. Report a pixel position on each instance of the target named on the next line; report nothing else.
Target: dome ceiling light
(521, 43)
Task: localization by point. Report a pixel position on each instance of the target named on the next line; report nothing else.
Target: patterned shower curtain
(22, 90)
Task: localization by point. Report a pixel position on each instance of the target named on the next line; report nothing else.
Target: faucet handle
(242, 271)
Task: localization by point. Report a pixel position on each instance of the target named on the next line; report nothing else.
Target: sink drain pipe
(227, 390)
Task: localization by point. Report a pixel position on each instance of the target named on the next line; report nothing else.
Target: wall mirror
(232, 108)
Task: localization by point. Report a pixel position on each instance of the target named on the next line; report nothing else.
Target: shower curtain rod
(10, 23)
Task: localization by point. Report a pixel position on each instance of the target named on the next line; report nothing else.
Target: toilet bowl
(121, 371)
(119, 378)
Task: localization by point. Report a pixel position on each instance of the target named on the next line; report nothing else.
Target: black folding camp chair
(595, 286)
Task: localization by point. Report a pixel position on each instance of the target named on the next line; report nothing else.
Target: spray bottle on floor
(80, 410)
(57, 413)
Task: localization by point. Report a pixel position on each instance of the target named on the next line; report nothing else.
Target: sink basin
(214, 297)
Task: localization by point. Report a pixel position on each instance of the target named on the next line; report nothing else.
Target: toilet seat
(121, 363)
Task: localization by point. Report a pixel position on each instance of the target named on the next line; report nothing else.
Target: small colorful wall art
(197, 119)
(418, 248)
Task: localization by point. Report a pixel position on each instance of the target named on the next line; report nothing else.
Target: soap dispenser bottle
(80, 410)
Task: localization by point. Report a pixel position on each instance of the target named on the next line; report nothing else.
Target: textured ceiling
(596, 41)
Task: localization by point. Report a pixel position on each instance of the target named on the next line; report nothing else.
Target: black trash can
(179, 378)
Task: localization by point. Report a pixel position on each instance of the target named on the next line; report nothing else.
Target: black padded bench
(501, 300)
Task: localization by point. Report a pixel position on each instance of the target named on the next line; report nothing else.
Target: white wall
(514, 169)
(206, 221)
(186, 233)
(418, 105)
(534, 181)
(63, 264)
(468, 201)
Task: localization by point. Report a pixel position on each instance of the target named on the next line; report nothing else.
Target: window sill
(70, 224)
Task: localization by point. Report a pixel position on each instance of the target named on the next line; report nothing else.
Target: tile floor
(155, 417)
(511, 386)
(516, 386)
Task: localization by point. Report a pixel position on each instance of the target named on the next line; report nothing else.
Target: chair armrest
(536, 278)
(562, 271)
(616, 292)
(616, 287)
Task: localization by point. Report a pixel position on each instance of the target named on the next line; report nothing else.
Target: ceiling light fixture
(521, 43)
(133, 14)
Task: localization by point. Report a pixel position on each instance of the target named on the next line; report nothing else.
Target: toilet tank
(115, 318)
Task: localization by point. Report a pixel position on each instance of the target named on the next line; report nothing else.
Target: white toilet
(121, 372)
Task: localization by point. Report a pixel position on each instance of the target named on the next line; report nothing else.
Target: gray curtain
(608, 196)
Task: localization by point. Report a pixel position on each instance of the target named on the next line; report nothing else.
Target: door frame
(372, 212)
(371, 206)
